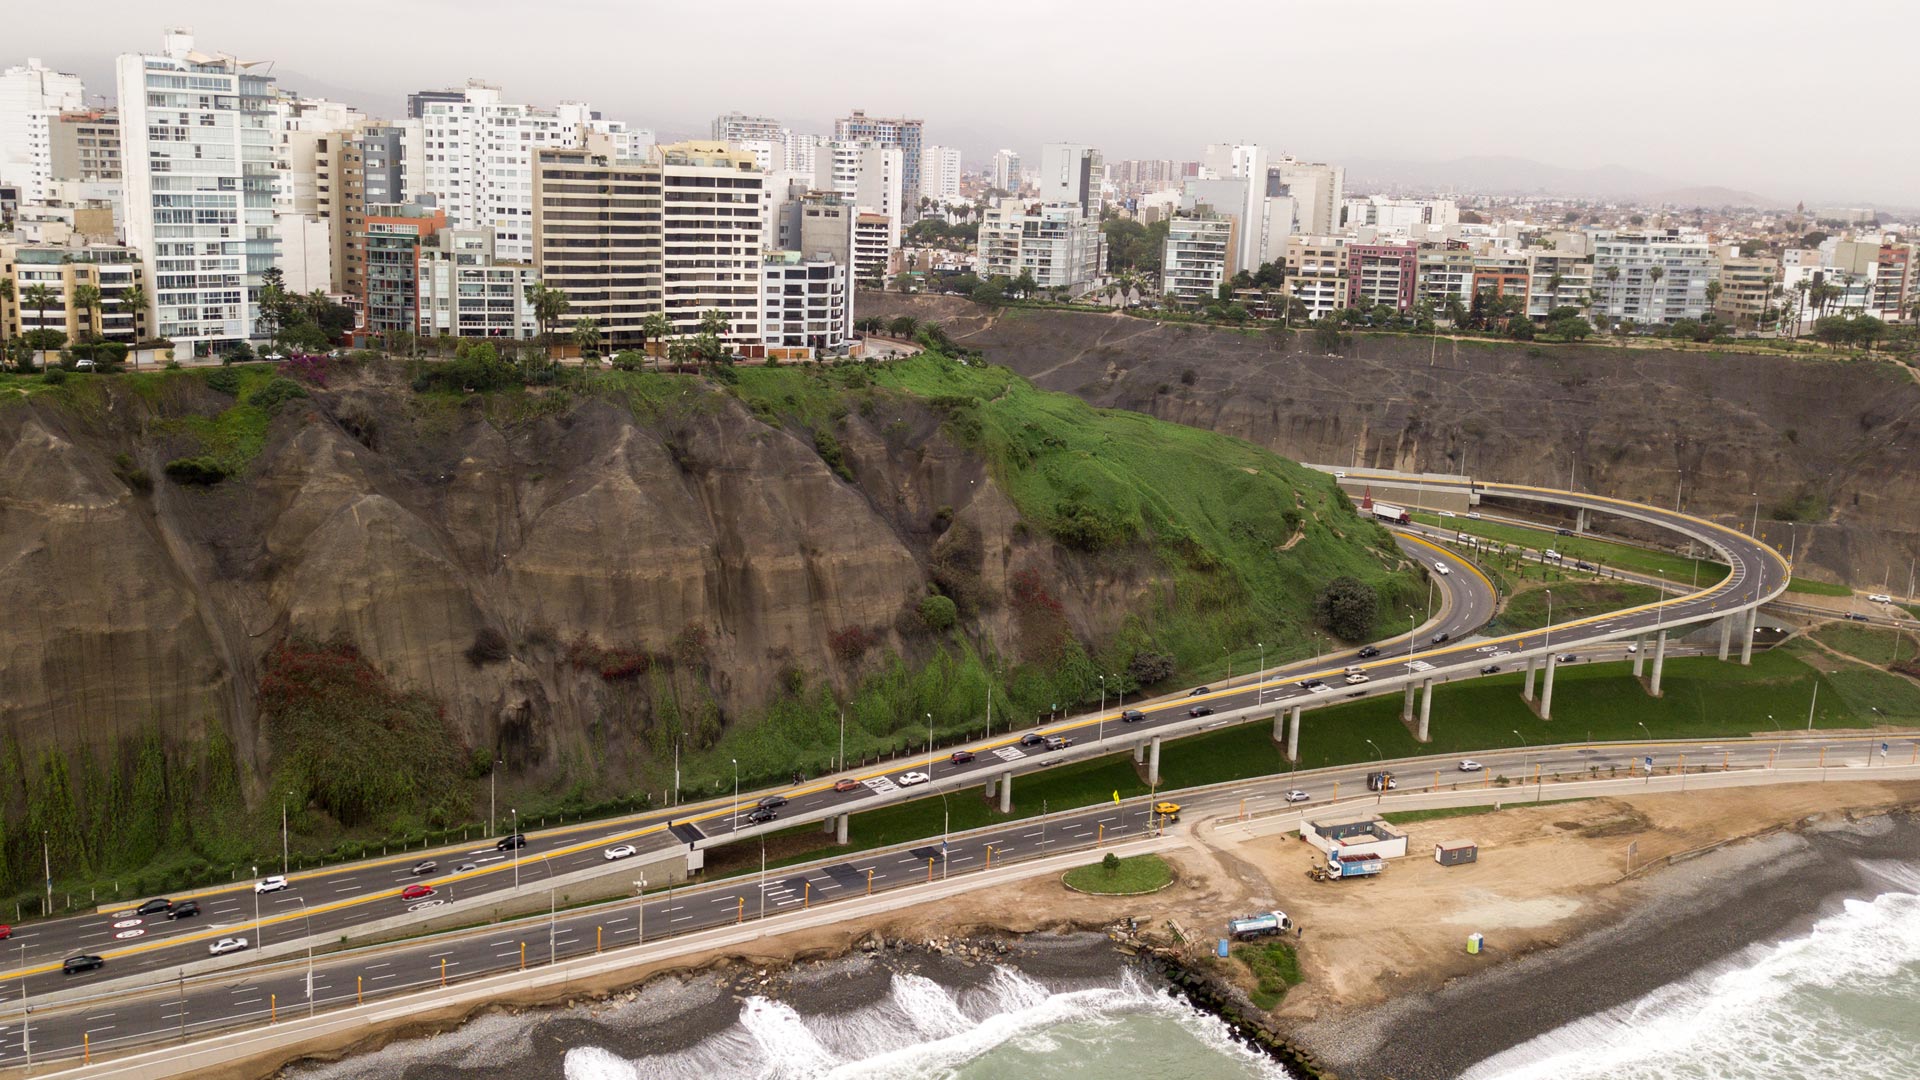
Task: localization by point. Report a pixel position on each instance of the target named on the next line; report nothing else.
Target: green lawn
(1816, 588)
(1605, 553)
(1573, 600)
(1275, 969)
(1876, 646)
(1411, 817)
(1132, 877)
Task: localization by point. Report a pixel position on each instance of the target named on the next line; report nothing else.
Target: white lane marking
(682, 918)
(881, 785)
(1009, 753)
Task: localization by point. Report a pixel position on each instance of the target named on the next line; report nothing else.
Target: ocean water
(1011, 1027)
(1841, 1000)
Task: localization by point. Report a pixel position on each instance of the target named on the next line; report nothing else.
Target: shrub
(1147, 668)
(1347, 607)
(54, 376)
(829, 450)
(276, 393)
(939, 613)
(1111, 864)
(203, 470)
(851, 642)
(225, 380)
(1081, 525)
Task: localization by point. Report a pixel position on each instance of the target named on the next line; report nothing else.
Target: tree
(1613, 273)
(1327, 336)
(39, 298)
(86, 299)
(656, 329)
(1347, 608)
(939, 613)
(1111, 864)
(1024, 284)
(710, 346)
(586, 336)
(133, 301)
(1654, 274)
(903, 327)
(549, 307)
(276, 305)
(1147, 668)
(1713, 292)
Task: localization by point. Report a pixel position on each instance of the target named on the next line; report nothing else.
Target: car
(1448, 513)
(5, 931)
(1131, 716)
(510, 842)
(1033, 739)
(1567, 658)
(1358, 693)
(621, 851)
(1355, 678)
(1490, 669)
(1470, 765)
(270, 884)
(1198, 690)
(1584, 565)
(226, 945)
(1309, 684)
(773, 802)
(1200, 710)
(1441, 638)
(73, 965)
(960, 757)
(846, 785)
(1880, 598)
(1856, 616)
(1563, 532)
(416, 892)
(1296, 795)
(466, 868)
(83, 364)
(424, 866)
(1338, 475)
(913, 778)
(1166, 809)
(759, 815)
(1474, 515)
(1550, 555)
(1368, 652)
(1441, 569)
(154, 907)
(1058, 742)
(1465, 538)
(1633, 646)
(182, 910)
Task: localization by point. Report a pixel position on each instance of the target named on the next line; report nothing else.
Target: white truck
(1264, 924)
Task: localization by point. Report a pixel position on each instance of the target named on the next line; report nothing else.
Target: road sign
(1649, 762)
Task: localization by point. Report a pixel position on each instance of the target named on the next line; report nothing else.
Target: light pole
(26, 1022)
(553, 912)
(283, 834)
(1549, 627)
(1103, 694)
(516, 842)
(735, 827)
(676, 766)
(1526, 755)
(1810, 706)
(308, 919)
(640, 911)
(929, 747)
(46, 864)
(843, 728)
(1261, 690)
(1382, 758)
(1755, 531)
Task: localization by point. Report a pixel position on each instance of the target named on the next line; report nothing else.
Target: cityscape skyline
(1649, 135)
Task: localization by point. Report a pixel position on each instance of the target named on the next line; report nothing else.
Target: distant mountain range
(1499, 175)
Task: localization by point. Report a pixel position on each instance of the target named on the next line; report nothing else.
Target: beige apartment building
(1746, 290)
(110, 268)
(1317, 273)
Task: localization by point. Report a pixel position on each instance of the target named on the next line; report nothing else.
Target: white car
(1633, 646)
(1448, 513)
(272, 884)
(1880, 598)
(226, 945)
(912, 778)
(1470, 765)
(1550, 554)
(1355, 678)
(1338, 475)
(1441, 569)
(620, 851)
(1296, 795)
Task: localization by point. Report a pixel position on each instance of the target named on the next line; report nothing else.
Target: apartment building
(1657, 276)
(873, 246)
(198, 147)
(896, 132)
(824, 225)
(1502, 273)
(1317, 273)
(1557, 279)
(466, 291)
(872, 175)
(740, 127)
(1072, 173)
(599, 225)
(62, 268)
(1316, 189)
(394, 241)
(85, 145)
(1446, 277)
(478, 152)
(1057, 243)
(1005, 173)
(1746, 290)
(1200, 255)
(806, 306)
(32, 99)
(1894, 283)
(940, 167)
(1382, 274)
(715, 205)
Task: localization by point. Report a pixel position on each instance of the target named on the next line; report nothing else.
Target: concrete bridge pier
(1006, 794)
(1659, 663)
(1581, 522)
(1639, 656)
(840, 829)
(1153, 762)
(1526, 688)
(992, 785)
(1293, 733)
(1746, 641)
(1546, 691)
(1726, 635)
(1139, 753)
(1426, 710)
(1406, 710)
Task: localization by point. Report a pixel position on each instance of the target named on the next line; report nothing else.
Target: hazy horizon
(1708, 94)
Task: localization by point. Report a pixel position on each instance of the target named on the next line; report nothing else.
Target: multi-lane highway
(331, 904)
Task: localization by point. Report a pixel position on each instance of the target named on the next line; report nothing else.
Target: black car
(1368, 652)
(183, 909)
(1439, 638)
(1856, 616)
(424, 866)
(773, 802)
(511, 842)
(1564, 532)
(762, 815)
(154, 907)
(1490, 669)
(84, 962)
(1583, 566)
(1131, 715)
(1032, 739)
(960, 757)
(1308, 684)
(1198, 690)
(1200, 710)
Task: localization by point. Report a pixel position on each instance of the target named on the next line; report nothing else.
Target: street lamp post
(1103, 694)
(515, 843)
(735, 827)
(1526, 756)
(307, 916)
(929, 747)
(1261, 692)
(1382, 758)
(283, 834)
(843, 729)
(1755, 530)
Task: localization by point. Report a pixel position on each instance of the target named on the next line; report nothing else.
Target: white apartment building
(1317, 190)
(1005, 173)
(1654, 276)
(32, 97)
(873, 245)
(739, 127)
(871, 174)
(1399, 215)
(806, 305)
(478, 152)
(940, 168)
(199, 145)
(1072, 173)
(1446, 275)
(628, 143)
(465, 291)
(1058, 243)
(1200, 255)
(712, 222)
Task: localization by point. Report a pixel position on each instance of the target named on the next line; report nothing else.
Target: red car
(961, 757)
(5, 931)
(416, 892)
(846, 785)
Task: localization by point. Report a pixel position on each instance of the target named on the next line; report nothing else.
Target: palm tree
(133, 301)
(1613, 273)
(39, 298)
(655, 328)
(586, 336)
(714, 326)
(6, 301)
(86, 297)
(549, 306)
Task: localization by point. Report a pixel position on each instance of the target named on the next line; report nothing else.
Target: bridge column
(1526, 688)
(1406, 710)
(992, 785)
(1659, 662)
(1639, 656)
(1580, 522)
(1546, 691)
(827, 826)
(1280, 725)
(1726, 635)
(840, 829)
(1139, 753)
(1746, 644)
(1006, 794)
(1293, 734)
(1426, 709)
(1153, 762)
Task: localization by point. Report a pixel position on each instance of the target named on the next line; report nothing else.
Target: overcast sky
(1789, 100)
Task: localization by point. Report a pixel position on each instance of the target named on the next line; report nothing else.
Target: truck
(1263, 924)
(1351, 866)
(1380, 781)
(1394, 514)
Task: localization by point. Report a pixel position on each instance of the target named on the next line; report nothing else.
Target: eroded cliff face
(420, 527)
(1832, 440)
